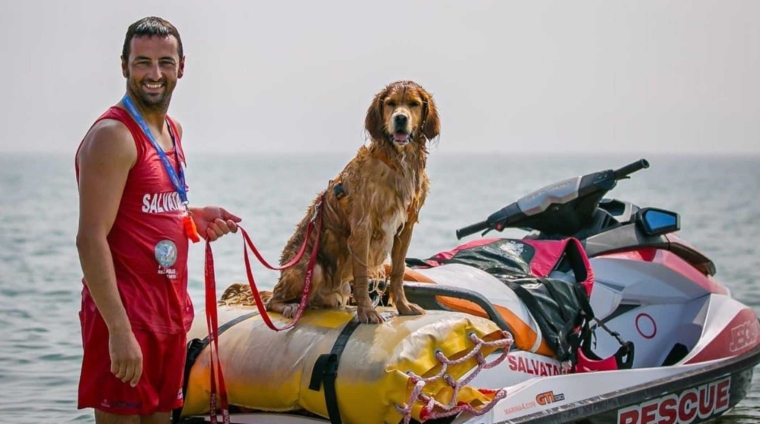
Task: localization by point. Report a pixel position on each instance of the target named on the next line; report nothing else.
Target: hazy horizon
(508, 77)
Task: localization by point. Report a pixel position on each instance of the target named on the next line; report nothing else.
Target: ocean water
(40, 345)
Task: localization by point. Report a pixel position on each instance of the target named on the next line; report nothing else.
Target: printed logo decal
(519, 407)
(546, 398)
(704, 402)
(105, 403)
(166, 253)
(161, 202)
(513, 247)
(743, 336)
(532, 366)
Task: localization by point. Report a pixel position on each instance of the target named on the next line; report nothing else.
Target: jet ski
(612, 317)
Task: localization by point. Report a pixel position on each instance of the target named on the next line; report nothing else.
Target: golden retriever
(369, 210)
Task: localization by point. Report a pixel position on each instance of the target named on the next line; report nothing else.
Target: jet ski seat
(467, 289)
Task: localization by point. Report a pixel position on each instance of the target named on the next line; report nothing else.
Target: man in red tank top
(132, 240)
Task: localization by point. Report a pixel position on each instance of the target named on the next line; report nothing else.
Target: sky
(649, 76)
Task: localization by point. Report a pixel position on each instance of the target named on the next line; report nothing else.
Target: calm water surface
(40, 353)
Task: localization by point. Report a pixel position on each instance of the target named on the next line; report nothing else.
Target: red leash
(213, 334)
(309, 269)
(212, 320)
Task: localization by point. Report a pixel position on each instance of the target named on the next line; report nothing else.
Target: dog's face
(401, 114)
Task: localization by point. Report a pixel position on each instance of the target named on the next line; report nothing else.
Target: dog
(368, 211)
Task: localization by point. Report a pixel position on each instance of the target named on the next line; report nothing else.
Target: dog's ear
(432, 124)
(373, 123)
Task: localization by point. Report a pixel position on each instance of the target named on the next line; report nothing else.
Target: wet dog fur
(385, 185)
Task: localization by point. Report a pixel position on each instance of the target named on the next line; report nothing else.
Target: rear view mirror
(655, 222)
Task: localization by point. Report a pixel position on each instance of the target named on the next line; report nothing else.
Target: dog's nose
(400, 120)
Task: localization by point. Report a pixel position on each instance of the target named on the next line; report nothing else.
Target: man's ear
(181, 70)
(124, 69)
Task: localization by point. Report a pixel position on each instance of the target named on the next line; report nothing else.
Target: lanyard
(178, 181)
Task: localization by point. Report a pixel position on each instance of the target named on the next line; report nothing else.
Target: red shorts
(160, 386)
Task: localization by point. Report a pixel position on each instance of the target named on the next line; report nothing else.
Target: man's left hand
(213, 222)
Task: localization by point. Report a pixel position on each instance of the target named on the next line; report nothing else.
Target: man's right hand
(126, 356)
(105, 159)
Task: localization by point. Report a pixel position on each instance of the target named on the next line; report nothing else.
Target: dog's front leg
(398, 255)
(358, 242)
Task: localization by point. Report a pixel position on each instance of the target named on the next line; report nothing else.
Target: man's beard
(151, 103)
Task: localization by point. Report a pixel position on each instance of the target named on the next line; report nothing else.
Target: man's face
(152, 70)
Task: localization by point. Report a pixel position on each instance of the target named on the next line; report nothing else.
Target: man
(134, 225)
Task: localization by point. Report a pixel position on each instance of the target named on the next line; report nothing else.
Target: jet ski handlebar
(496, 221)
(630, 169)
(589, 188)
(472, 229)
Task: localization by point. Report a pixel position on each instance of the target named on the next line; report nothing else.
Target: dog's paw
(407, 308)
(368, 315)
(290, 310)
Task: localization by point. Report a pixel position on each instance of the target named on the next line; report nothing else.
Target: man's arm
(107, 154)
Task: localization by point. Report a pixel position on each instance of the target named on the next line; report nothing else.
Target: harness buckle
(317, 210)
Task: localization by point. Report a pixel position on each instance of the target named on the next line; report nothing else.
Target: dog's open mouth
(401, 137)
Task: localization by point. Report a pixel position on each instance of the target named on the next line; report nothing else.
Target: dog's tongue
(400, 137)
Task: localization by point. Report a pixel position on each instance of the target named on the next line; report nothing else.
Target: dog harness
(340, 192)
(342, 195)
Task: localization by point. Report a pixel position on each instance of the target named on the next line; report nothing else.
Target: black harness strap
(194, 348)
(326, 371)
(339, 191)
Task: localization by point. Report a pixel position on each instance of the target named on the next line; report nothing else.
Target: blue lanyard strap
(178, 181)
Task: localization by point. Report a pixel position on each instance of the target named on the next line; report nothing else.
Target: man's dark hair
(148, 27)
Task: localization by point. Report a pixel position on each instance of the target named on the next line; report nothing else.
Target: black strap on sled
(194, 348)
(326, 371)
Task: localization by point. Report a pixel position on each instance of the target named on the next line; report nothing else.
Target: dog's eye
(414, 104)
(391, 104)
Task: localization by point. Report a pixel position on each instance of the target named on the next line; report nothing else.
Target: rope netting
(432, 408)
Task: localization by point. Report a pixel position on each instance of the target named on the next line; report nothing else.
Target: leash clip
(317, 209)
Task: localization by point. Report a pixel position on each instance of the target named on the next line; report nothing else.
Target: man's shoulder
(109, 137)
(108, 127)
(110, 131)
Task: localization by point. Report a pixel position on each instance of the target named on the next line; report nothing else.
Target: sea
(717, 196)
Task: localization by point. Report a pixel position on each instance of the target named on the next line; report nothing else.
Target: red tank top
(147, 241)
